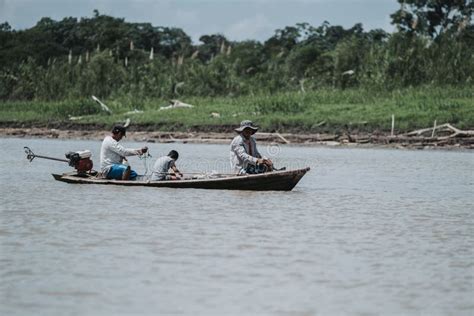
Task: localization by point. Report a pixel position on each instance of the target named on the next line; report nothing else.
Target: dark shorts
(256, 169)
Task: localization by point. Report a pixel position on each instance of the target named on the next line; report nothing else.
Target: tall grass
(324, 110)
(400, 62)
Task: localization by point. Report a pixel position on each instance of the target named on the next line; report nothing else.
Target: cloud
(257, 26)
(6, 11)
(236, 19)
(187, 17)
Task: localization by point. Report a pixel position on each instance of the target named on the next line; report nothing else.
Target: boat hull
(272, 181)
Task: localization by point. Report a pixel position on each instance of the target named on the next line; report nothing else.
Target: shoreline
(367, 140)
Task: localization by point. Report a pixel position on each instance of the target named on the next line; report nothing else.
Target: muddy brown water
(366, 231)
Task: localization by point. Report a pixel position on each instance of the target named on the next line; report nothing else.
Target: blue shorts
(116, 172)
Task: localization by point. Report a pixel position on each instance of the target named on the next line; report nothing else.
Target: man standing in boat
(244, 155)
(112, 155)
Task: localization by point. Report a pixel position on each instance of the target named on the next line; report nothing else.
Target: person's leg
(269, 165)
(121, 172)
(126, 173)
(251, 169)
(116, 172)
(263, 168)
(129, 174)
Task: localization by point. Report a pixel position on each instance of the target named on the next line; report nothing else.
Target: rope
(144, 157)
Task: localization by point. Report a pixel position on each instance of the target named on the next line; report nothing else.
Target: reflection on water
(366, 231)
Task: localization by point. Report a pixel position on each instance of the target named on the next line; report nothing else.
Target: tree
(5, 27)
(247, 57)
(433, 17)
(173, 41)
(211, 46)
(283, 41)
(327, 36)
(301, 60)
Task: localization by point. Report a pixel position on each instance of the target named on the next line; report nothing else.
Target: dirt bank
(343, 139)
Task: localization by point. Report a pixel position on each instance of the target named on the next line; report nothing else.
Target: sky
(238, 20)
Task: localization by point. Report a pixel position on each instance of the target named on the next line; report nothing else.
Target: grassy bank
(315, 111)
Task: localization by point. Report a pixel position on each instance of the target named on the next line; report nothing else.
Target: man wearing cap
(112, 155)
(244, 156)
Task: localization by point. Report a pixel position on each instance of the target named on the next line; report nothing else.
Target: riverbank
(443, 141)
(423, 117)
(321, 111)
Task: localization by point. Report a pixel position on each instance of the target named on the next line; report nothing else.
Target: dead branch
(273, 135)
(444, 127)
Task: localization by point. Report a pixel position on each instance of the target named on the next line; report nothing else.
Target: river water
(365, 232)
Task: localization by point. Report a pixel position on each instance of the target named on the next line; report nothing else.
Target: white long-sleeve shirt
(112, 153)
(240, 150)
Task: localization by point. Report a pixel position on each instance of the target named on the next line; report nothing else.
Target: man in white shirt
(112, 155)
(244, 155)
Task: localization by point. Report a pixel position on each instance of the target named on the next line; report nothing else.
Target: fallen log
(274, 135)
(443, 127)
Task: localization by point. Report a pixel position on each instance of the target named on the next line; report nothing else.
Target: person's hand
(264, 161)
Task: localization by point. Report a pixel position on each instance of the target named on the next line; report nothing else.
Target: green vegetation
(325, 110)
(302, 78)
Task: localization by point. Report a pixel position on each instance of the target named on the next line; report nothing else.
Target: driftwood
(127, 123)
(102, 105)
(444, 127)
(176, 104)
(286, 141)
(398, 141)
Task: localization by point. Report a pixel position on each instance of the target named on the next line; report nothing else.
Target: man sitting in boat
(244, 155)
(112, 155)
(163, 166)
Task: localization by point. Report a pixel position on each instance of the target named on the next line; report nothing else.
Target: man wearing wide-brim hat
(244, 155)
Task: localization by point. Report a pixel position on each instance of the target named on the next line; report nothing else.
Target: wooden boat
(272, 181)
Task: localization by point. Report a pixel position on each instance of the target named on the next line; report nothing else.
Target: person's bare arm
(176, 171)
